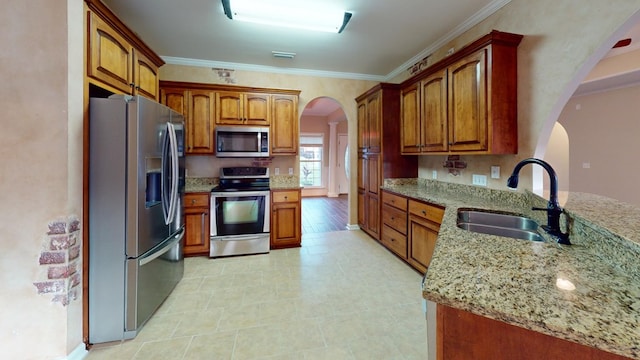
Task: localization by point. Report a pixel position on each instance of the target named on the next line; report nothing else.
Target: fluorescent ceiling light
(298, 14)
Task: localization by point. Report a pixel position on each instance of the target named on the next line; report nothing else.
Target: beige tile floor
(339, 296)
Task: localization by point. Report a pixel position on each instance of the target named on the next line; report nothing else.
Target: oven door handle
(239, 193)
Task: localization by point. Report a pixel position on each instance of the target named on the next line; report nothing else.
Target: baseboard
(353, 227)
(79, 353)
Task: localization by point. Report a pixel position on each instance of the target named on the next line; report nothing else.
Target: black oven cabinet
(286, 218)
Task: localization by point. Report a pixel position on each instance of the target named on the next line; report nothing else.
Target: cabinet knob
(286, 197)
(392, 218)
(193, 201)
(424, 212)
(132, 84)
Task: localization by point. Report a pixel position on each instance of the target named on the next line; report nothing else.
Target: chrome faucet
(553, 207)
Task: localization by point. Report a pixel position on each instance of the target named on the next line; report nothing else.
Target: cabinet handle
(193, 201)
(393, 219)
(286, 197)
(424, 212)
(393, 240)
(132, 84)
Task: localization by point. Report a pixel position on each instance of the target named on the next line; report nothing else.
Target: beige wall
(603, 131)
(41, 177)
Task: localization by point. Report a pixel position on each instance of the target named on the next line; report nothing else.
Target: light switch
(290, 171)
(495, 172)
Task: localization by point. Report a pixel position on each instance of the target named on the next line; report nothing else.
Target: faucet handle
(539, 209)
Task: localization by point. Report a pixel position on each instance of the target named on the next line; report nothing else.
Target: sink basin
(501, 224)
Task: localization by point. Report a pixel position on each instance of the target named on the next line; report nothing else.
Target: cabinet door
(373, 174)
(196, 231)
(422, 240)
(410, 120)
(468, 103)
(176, 99)
(146, 78)
(374, 122)
(363, 139)
(434, 113)
(199, 127)
(285, 226)
(229, 108)
(110, 57)
(373, 216)
(284, 125)
(256, 109)
(362, 209)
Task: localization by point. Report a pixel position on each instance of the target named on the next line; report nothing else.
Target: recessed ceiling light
(308, 15)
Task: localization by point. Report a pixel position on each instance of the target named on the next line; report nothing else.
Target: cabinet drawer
(396, 201)
(285, 196)
(394, 218)
(197, 199)
(430, 212)
(394, 241)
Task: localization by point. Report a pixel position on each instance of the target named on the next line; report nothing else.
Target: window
(311, 150)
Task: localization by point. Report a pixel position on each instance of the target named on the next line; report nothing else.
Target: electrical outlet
(495, 172)
(277, 171)
(290, 171)
(434, 174)
(480, 180)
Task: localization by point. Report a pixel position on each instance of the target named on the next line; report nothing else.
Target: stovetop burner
(243, 179)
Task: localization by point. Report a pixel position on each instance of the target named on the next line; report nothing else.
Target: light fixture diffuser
(309, 16)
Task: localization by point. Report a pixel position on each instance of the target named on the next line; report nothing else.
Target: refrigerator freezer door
(150, 279)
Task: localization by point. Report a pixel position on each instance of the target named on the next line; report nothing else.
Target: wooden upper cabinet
(363, 139)
(176, 99)
(110, 55)
(433, 131)
(410, 111)
(145, 76)
(239, 108)
(200, 124)
(117, 60)
(284, 125)
(467, 101)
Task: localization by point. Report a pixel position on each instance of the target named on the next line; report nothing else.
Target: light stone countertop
(515, 280)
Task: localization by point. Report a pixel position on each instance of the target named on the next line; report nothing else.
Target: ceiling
(382, 40)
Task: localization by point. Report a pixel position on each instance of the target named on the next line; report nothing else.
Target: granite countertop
(515, 281)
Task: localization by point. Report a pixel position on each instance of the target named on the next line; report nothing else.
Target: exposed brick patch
(61, 256)
(57, 227)
(47, 287)
(74, 252)
(53, 257)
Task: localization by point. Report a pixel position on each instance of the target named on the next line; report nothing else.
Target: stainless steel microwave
(242, 141)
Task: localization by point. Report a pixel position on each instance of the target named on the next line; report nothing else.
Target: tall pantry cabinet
(379, 151)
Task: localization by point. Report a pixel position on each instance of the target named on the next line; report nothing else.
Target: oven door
(239, 213)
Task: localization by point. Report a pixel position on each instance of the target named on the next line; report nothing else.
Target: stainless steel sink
(501, 224)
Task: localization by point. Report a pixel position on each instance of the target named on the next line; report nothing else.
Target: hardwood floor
(324, 214)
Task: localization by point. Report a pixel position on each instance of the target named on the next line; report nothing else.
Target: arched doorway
(323, 169)
(605, 71)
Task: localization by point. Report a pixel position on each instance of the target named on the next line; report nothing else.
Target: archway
(543, 144)
(324, 166)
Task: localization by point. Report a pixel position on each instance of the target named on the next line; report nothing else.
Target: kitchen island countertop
(517, 281)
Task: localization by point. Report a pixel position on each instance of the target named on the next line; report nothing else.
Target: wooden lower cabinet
(424, 225)
(197, 225)
(410, 228)
(286, 218)
(463, 335)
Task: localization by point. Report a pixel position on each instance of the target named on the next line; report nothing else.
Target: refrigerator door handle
(169, 171)
(149, 258)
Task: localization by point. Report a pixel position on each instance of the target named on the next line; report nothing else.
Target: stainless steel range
(240, 212)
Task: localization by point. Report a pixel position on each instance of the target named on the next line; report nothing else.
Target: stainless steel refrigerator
(136, 229)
